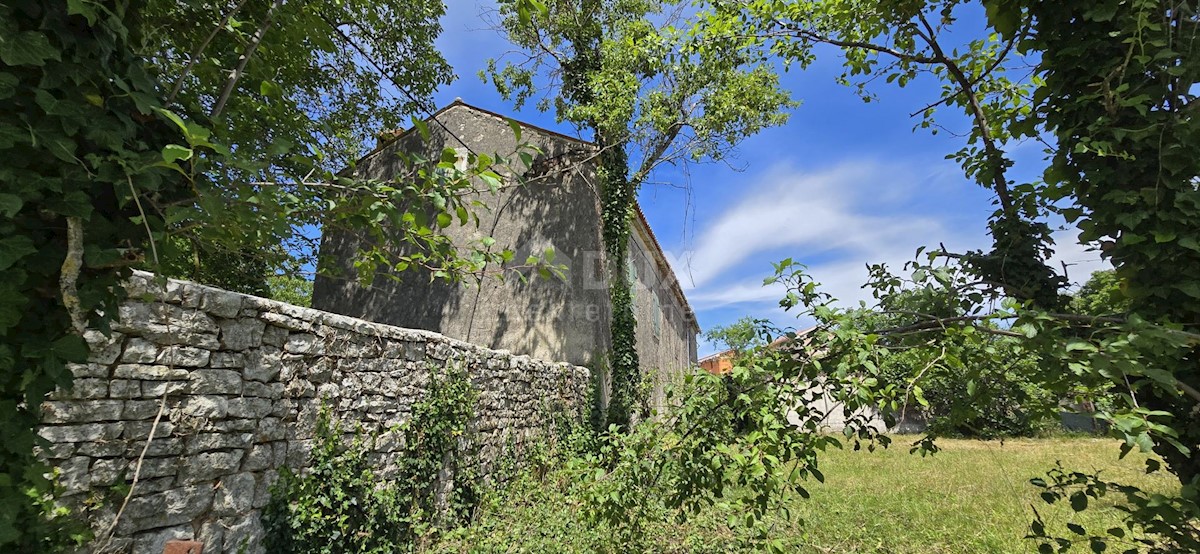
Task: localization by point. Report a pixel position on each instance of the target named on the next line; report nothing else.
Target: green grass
(973, 496)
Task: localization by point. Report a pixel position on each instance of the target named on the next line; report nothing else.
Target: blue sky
(844, 183)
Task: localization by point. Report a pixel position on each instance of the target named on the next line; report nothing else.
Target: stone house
(558, 207)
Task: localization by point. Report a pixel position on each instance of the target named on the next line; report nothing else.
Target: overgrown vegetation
(1111, 96)
(296, 291)
(973, 496)
(739, 446)
(972, 386)
(650, 94)
(141, 132)
(79, 140)
(741, 337)
(624, 485)
(341, 502)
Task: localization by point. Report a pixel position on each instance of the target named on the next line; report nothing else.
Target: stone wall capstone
(243, 379)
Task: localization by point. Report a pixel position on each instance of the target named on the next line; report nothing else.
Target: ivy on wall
(78, 135)
(340, 503)
(615, 213)
(629, 74)
(97, 176)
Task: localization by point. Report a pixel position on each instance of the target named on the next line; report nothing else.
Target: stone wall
(243, 379)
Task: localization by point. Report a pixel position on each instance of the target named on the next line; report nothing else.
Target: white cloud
(844, 217)
(833, 214)
(737, 293)
(807, 212)
(1081, 260)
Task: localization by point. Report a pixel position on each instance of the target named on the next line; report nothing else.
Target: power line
(406, 93)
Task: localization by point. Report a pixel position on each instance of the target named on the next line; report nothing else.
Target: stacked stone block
(230, 386)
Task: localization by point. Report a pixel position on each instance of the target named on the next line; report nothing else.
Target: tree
(281, 95)
(291, 289)
(78, 135)
(138, 130)
(275, 78)
(1111, 94)
(1123, 116)
(974, 386)
(649, 94)
(740, 336)
(1100, 296)
(903, 41)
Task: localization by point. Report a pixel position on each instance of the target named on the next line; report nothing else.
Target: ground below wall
(235, 383)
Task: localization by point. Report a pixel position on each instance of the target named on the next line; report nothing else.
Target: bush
(339, 503)
(1003, 404)
(336, 504)
(970, 395)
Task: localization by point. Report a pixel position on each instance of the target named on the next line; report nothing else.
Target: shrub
(976, 396)
(336, 504)
(340, 503)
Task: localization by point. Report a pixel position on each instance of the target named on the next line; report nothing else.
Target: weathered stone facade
(243, 379)
(558, 207)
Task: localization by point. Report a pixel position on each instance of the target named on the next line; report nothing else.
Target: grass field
(973, 496)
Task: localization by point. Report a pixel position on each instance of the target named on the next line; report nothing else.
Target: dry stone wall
(243, 379)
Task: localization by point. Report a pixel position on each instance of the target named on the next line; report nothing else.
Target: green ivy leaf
(84, 8)
(10, 135)
(71, 348)
(27, 48)
(10, 204)
(8, 85)
(14, 248)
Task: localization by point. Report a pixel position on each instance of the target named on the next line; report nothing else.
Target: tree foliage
(149, 133)
(1100, 296)
(649, 93)
(274, 99)
(78, 143)
(973, 385)
(293, 290)
(1123, 116)
(741, 336)
(1111, 95)
(297, 83)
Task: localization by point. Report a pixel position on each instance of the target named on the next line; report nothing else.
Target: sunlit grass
(973, 496)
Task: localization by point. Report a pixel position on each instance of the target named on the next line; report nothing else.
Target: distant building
(717, 364)
(561, 320)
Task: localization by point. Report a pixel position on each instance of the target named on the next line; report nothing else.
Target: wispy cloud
(845, 216)
(809, 212)
(836, 221)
